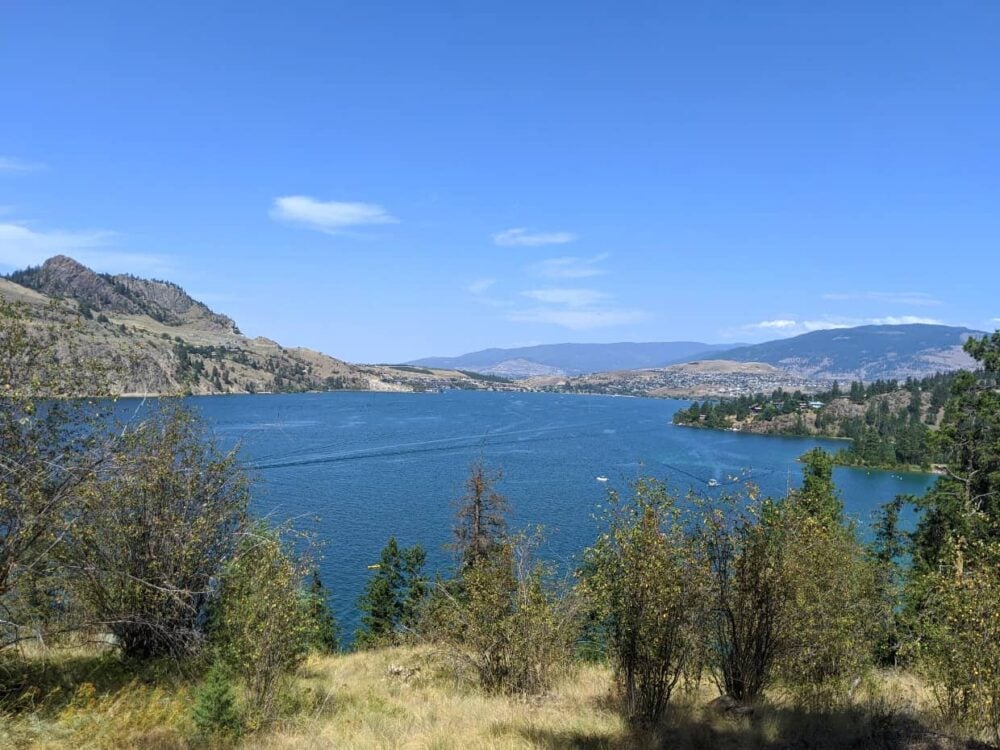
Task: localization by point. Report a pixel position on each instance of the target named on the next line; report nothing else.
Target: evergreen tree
(393, 596)
(326, 632)
(965, 501)
(819, 496)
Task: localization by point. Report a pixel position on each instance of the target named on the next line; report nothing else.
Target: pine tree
(819, 495)
(481, 523)
(326, 631)
(215, 711)
(393, 596)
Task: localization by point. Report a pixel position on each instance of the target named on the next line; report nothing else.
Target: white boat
(602, 479)
(712, 483)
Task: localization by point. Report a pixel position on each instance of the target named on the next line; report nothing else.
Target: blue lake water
(355, 468)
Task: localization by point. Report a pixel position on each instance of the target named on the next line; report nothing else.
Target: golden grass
(409, 698)
(361, 705)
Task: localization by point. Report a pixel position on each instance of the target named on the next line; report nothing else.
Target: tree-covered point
(888, 422)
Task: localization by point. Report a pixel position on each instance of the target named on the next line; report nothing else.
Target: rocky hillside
(865, 353)
(123, 294)
(159, 340)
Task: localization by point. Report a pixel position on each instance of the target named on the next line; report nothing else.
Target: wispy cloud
(579, 319)
(524, 237)
(569, 267)
(577, 309)
(568, 297)
(22, 246)
(10, 164)
(480, 286)
(331, 217)
(917, 299)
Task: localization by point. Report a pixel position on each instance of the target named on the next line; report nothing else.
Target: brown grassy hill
(157, 339)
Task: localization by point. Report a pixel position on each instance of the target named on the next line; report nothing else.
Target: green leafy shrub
(261, 630)
(959, 651)
(647, 581)
(507, 620)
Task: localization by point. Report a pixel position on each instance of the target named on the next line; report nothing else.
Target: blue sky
(384, 181)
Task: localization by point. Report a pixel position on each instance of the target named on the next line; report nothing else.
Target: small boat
(602, 479)
(713, 483)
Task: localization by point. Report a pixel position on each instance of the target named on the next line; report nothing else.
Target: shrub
(959, 648)
(154, 528)
(647, 582)
(518, 631)
(260, 628)
(215, 711)
(748, 619)
(835, 606)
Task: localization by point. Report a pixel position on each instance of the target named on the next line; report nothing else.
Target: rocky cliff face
(162, 301)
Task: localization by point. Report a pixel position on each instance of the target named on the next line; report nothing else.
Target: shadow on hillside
(51, 684)
(770, 728)
(788, 728)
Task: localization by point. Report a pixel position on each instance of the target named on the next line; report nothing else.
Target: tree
(154, 528)
(481, 525)
(965, 502)
(819, 496)
(393, 595)
(325, 636)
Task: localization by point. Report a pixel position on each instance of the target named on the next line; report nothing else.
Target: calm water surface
(371, 465)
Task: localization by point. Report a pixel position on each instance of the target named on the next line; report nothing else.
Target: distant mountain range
(863, 353)
(576, 359)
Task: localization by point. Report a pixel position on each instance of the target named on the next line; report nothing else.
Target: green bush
(215, 711)
(647, 582)
(260, 629)
(959, 651)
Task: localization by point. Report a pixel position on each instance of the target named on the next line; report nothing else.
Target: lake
(371, 465)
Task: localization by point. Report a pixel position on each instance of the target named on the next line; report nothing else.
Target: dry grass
(361, 704)
(408, 698)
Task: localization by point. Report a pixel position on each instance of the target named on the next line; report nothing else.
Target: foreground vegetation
(143, 605)
(411, 697)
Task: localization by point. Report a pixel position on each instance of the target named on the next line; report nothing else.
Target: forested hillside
(889, 423)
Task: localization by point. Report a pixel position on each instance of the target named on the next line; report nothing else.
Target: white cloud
(779, 324)
(523, 237)
(579, 319)
(480, 286)
(917, 299)
(568, 297)
(790, 327)
(10, 164)
(903, 320)
(22, 246)
(328, 216)
(569, 267)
